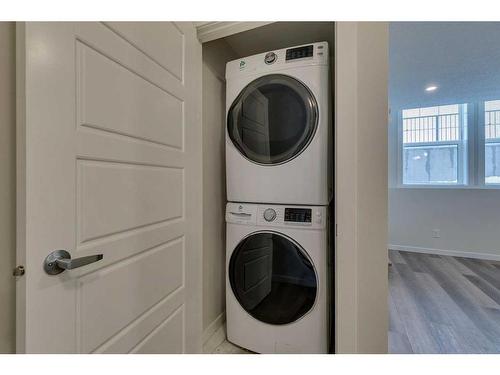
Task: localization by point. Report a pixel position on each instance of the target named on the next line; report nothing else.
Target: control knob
(269, 214)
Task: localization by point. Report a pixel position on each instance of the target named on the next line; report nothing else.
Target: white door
(109, 152)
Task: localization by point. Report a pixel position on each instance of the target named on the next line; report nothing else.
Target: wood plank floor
(442, 304)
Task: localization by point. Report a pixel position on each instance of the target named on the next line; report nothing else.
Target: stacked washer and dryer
(279, 185)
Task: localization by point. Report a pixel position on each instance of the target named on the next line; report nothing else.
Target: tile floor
(218, 344)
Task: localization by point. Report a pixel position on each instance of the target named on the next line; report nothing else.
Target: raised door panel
(119, 100)
(118, 197)
(171, 327)
(163, 42)
(126, 290)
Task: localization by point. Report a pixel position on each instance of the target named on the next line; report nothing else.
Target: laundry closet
(273, 281)
(123, 187)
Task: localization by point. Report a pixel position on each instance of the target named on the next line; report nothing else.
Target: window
(450, 145)
(434, 145)
(492, 142)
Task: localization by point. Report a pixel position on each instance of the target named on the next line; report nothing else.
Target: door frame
(21, 185)
(208, 31)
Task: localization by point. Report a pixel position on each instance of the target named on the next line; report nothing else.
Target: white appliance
(278, 133)
(277, 279)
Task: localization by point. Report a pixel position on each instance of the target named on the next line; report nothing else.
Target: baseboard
(213, 327)
(453, 253)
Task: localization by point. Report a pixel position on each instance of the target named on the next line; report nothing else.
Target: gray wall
(7, 186)
(215, 56)
(462, 59)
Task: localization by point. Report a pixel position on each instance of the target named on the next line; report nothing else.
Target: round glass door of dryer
(273, 278)
(273, 119)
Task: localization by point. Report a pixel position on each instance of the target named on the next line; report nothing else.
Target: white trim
(435, 186)
(21, 184)
(453, 253)
(345, 119)
(480, 146)
(213, 327)
(399, 148)
(208, 31)
(470, 152)
(453, 187)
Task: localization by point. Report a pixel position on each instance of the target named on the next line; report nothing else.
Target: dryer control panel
(313, 217)
(267, 62)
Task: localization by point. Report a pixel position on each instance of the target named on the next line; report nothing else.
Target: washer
(277, 278)
(278, 133)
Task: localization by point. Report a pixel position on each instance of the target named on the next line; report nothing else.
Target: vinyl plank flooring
(459, 340)
(395, 322)
(443, 309)
(452, 261)
(396, 257)
(473, 341)
(459, 288)
(399, 343)
(416, 326)
(486, 288)
(447, 340)
(422, 295)
(490, 275)
(414, 261)
(465, 297)
(441, 304)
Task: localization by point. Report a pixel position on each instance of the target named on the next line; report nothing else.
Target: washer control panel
(298, 215)
(269, 214)
(313, 217)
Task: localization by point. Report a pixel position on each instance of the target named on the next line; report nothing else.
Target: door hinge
(18, 271)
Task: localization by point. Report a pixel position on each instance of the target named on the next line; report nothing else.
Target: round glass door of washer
(273, 119)
(273, 278)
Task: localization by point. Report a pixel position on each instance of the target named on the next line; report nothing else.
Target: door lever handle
(60, 260)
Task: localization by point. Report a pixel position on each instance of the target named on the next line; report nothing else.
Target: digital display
(298, 215)
(299, 52)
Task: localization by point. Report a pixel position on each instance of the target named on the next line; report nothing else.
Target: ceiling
(461, 58)
(280, 35)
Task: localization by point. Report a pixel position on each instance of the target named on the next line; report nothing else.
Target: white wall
(468, 219)
(7, 186)
(215, 56)
(361, 72)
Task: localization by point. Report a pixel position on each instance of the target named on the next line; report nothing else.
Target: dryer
(279, 133)
(277, 279)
